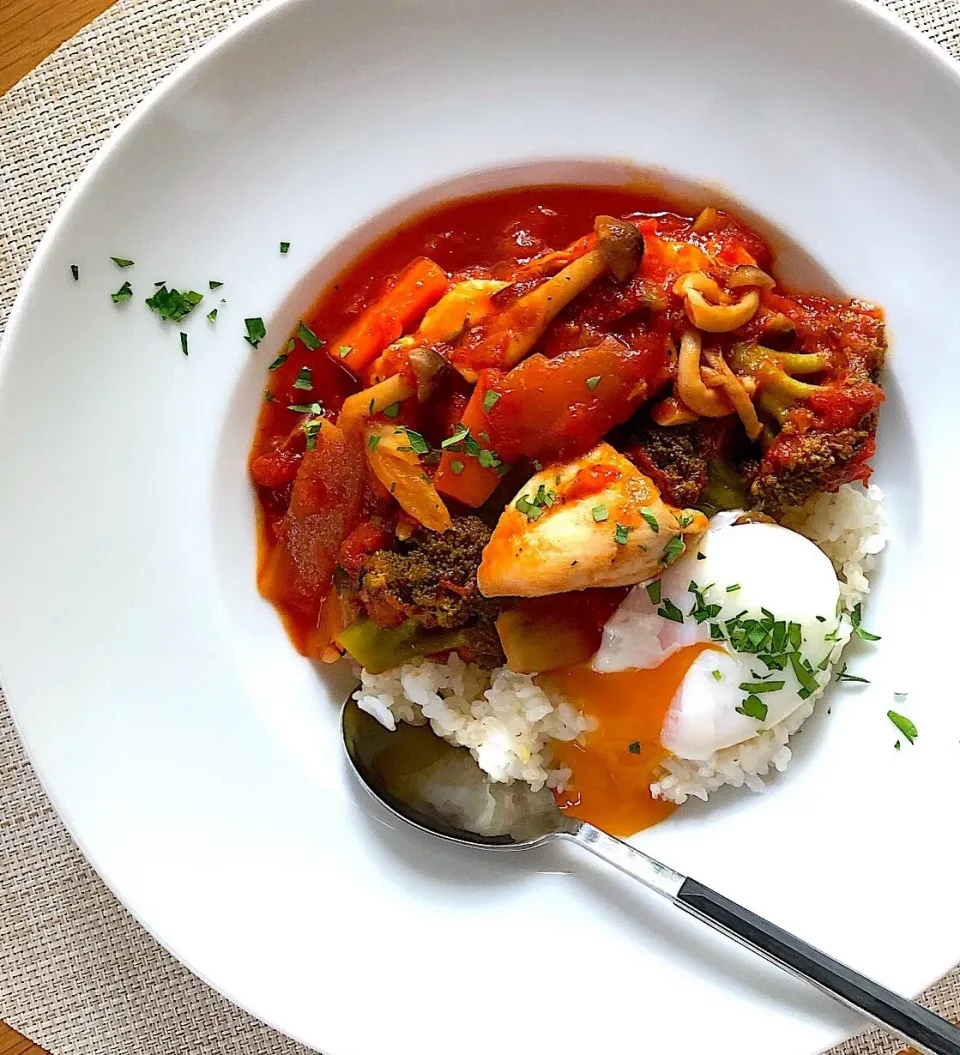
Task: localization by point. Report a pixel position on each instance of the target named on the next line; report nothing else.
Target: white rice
(507, 721)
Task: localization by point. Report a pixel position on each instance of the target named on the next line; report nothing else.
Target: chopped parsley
(858, 630)
(634, 748)
(213, 284)
(291, 344)
(124, 293)
(490, 400)
(904, 724)
(183, 343)
(172, 305)
(648, 515)
(760, 686)
(311, 429)
(600, 513)
(592, 382)
(804, 674)
(670, 611)
(269, 397)
(718, 675)
(373, 442)
(392, 411)
(304, 380)
(458, 436)
(212, 315)
(488, 459)
(672, 550)
(684, 520)
(528, 508)
(733, 588)
(653, 591)
(256, 331)
(842, 675)
(344, 350)
(121, 262)
(753, 707)
(75, 271)
(621, 533)
(417, 442)
(456, 467)
(279, 361)
(306, 408)
(284, 248)
(309, 338)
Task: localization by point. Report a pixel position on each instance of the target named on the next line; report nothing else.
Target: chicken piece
(594, 521)
(467, 302)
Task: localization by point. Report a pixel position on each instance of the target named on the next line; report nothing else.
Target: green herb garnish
(651, 519)
(284, 247)
(592, 382)
(212, 315)
(733, 588)
(373, 441)
(75, 271)
(634, 748)
(760, 686)
(718, 675)
(904, 724)
(600, 513)
(269, 397)
(256, 331)
(344, 350)
(124, 293)
(858, 630)
(172, 305)
(490, 400)
(456, 467)
(672, 550)
(212, 284)
(304, 380)
(121, 261)
(670, 611)
(309, 338)
(654, 590)
(183, 343)
(842, 675)
(753, 707)
(417, 442)
(528, 508)
(279, 361)
(392, 411)
(621, 533)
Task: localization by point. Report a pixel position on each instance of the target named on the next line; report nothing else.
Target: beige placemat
(77, 973)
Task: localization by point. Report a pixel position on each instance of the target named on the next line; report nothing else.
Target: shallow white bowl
(195, 756)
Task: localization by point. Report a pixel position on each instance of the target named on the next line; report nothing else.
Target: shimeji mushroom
(503, 339)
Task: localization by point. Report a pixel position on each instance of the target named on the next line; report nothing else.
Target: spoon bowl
(441, 790)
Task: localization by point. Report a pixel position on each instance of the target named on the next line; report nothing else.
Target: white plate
(195, 756)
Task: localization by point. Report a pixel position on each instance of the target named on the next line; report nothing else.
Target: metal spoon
(438, 788)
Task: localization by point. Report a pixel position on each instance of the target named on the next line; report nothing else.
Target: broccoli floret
(799, 465)
(432, 577)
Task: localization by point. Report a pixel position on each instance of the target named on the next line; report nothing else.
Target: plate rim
(265, 12)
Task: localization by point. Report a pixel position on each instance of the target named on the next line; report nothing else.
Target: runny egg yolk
(618, 761)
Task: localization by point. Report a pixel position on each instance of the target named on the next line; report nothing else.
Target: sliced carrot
(417, 288)
(460, 474)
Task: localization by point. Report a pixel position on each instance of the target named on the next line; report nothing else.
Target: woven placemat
(77, 973)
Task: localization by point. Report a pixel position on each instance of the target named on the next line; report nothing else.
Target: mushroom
(722, 315)
(594, 521)
(707, 402)
(505, 338)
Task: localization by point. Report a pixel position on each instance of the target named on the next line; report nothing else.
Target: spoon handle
(929, 1033)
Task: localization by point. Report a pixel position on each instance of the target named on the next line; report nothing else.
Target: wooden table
(29, 31)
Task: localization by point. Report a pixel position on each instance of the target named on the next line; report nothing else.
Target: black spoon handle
(929, 1033)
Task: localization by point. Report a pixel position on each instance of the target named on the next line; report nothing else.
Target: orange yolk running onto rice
(618, 761)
